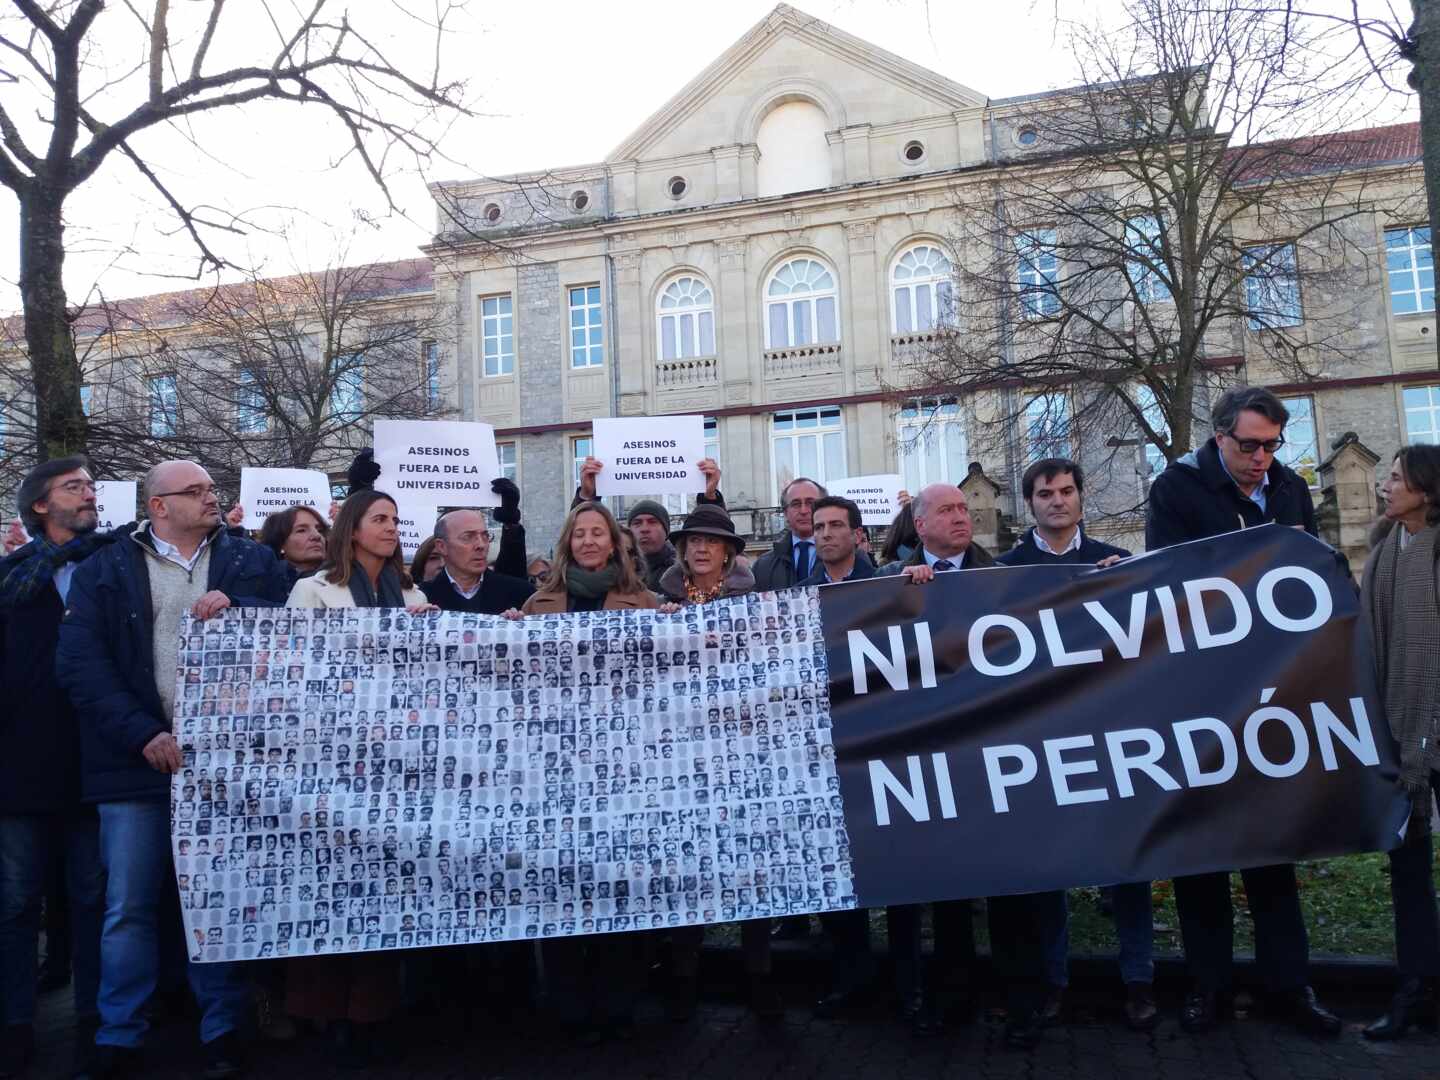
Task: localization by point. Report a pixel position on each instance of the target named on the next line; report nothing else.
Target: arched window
(794, 152)
(801, 305)
(921, 290)
(685, 319)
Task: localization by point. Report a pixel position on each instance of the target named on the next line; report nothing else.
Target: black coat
(1195, 498)
(975, 557)
(862, 570)
(1026, 553)
(105, 658)
(776, 568)
(498, 592)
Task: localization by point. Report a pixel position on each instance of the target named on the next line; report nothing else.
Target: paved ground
(725, 1042)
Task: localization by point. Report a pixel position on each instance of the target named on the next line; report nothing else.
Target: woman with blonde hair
(590, 571)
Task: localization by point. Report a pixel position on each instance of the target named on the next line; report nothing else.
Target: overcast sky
(559, 82)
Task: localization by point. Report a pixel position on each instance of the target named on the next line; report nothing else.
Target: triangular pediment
(790, 52)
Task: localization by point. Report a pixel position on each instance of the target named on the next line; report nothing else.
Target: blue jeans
(135, 847)
(1134, 925)
(29, 846)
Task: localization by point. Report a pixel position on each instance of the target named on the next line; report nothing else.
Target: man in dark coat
(947, 540)
(467, 583)
(793, 557)
(1233, 482)
(117, 659)
(1054, 490)
(837, 531)
(43, 823)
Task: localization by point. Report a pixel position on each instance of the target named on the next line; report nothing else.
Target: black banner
(1207, 707)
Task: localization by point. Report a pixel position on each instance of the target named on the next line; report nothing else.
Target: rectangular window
(163, 396)
(1047, 427)
(680, 504)
(430, 353)
(807, 442)
(497, 334)
(581, 447)
(250, 418)
(509, 463)
(347, 395)
(1155, 460)
(1301, 451)
(1422, 415)
(1272, 286)
(1037, 268)
(85, 391)
(587, 343)
(1411, 269)
(930, 436)
(1145, 258)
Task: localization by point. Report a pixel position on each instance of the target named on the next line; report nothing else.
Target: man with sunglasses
(116, 659)
(1235, 482)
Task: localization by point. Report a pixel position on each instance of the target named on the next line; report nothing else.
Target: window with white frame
(807, 442)
(509, 462)
(1272, 286)
(1037, 266)
(1411, 268)
(430, 354)
(1154, 458)
(685, 319)
(801, 305)
(680, 504)
(163, 396)
(922, 290)
(497, 334)
(1301, 451)
(1145, 258)
(581, 447)
(347, 392)
(587, 328)
(1047, 427)
(1422, 414)
(250, 417)
(930, 438)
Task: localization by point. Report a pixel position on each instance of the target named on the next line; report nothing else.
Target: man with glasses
(1235, 482)
(43, 823)
(467, 583)
(793, 557)
(116, 659)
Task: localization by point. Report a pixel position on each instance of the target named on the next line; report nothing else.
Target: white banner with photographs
(357, 780)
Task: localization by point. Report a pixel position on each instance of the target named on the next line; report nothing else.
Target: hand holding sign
(650, 455)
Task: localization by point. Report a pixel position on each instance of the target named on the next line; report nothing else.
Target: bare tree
(58, 126)
(1146, 233)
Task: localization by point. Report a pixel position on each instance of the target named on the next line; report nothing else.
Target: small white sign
(877, 496)
(417, 524)
(264, 491)
(437, 462)
(114, 503)
(650, 455)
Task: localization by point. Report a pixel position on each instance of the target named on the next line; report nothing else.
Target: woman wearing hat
(709, 567)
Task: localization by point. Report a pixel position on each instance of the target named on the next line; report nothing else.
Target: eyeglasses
(76, 487)
(198, 492)
(1249, 446)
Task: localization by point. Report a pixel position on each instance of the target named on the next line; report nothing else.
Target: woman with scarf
(297, 536)
(1401, 603)
(355, 994)
(592, 980)
(708, 567)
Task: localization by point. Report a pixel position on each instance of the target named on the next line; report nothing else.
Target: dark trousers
(1018, 935)
(594, 979)
(1207, 927)
(1412, 890)
(685, 942)
(849, 933)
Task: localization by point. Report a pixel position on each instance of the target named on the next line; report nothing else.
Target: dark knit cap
(651, 507)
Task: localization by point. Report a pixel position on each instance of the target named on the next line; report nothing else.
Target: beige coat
(316, 591)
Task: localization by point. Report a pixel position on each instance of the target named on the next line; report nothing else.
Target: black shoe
(224, 1057)
(17, 1047)
(1023, 1030)
(1052, 1009)
(350, 1046)
(1303, 1009)
(1199, 1012)
(839, 1002)
(682, 999)
(1140, 1011)
(922, 1013)
(112, 1063)
(765, 999)
(1414, 1004)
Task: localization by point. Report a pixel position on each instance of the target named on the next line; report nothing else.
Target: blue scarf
(28, 571)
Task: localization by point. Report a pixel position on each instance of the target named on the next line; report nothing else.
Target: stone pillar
(983, 497)
(1348, 503)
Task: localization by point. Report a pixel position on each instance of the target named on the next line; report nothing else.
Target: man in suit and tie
(467, 583)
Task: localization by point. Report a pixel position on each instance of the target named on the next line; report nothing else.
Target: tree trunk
(1425, 41)
(61, 426)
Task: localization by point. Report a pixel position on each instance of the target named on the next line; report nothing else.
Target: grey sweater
(173, 592)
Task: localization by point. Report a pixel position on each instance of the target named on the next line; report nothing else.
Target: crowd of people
(90, 624)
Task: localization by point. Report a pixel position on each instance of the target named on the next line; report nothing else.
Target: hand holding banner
(265, 491)
(650, 455)
(114, 503)
(432, 463)
(877, 496)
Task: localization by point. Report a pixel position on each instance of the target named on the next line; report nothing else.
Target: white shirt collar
(1040, 543)
(931, 559)
(171, 553)
(470, 595)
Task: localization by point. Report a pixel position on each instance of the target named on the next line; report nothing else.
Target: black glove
(363, 471)
(508, 512)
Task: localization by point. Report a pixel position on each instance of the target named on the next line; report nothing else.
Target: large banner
(362, 780)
